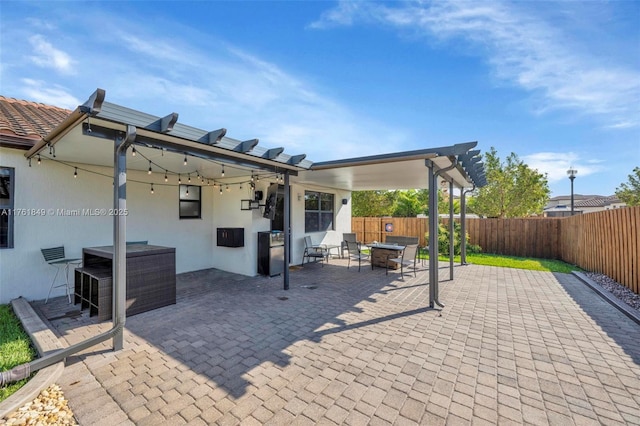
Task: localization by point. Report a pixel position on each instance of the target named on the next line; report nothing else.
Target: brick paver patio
(344, 347)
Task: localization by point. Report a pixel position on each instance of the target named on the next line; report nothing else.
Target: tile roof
(598, 201)
(28, 120)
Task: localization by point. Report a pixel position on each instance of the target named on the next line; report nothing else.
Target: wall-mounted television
(270, 202)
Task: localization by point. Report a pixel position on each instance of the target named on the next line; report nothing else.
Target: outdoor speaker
(345, 201)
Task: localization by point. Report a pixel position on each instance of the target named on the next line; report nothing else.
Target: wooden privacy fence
(606, 242)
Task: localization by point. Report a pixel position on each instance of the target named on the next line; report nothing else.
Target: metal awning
(100, 133)
(401, 170)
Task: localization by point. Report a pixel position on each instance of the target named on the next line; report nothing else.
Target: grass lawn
(15, 348)
(529, 263)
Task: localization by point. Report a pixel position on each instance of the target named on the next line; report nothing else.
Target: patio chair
(55, 257)
(347, 236)
(355, 252)
(317, 252)
(409, 256)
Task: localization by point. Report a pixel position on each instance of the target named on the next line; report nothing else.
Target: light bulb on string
(150, 171)
(152, 188)
(228, 189)
(166, 179)
(187, 189)
(39, 160)
(179, 179)
(220, 189)
(75, 173)
(133, 152)
(189, 180)
(223, 170)
(185, 159)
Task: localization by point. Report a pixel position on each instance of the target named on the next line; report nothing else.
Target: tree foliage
(398, 203)
(371, 203)
(629, 192)
(513, 189)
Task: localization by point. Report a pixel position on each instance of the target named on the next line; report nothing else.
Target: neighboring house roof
(599, 201)
(22, 123)
(575, 197)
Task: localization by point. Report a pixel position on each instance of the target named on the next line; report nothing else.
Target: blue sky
(558, 83)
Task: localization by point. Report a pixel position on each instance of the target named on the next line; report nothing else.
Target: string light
(249, 180)
(187, 189)
(133, 152)
(185, 159)
(152, 188)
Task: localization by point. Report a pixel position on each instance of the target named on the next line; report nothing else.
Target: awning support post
(433, 235)
(463, 225)
(121, 144)
(287, 229)
(451, 229)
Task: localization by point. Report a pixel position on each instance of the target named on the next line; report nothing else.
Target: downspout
(433, 230)
(23, 371)
(463, 225)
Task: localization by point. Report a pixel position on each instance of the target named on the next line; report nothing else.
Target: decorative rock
(49, 408)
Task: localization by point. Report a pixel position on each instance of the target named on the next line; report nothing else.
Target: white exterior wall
(152, 217)
(51, 186)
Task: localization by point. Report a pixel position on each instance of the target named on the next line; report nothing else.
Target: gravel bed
(618, 290)
(49, 408)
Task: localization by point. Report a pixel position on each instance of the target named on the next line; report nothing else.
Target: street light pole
(572, 175)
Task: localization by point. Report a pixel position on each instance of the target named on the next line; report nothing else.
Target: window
(318, 211)
(6, 206)
(190, 204)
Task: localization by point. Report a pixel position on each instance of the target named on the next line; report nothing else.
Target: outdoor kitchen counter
(150, 277)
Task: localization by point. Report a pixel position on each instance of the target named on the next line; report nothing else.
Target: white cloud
(556, 164)
(46, 93)
(47, 56)
(522, 49)
(244, 93)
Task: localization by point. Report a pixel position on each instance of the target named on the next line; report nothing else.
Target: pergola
(459, 165)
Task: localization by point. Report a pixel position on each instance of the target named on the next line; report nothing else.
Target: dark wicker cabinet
(151, 279)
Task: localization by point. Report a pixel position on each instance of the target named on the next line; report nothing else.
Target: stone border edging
(609, 297)
(44, 341)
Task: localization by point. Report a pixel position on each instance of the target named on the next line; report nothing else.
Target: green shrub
(443, 240)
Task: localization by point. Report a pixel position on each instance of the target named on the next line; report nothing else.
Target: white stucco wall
(51, 187)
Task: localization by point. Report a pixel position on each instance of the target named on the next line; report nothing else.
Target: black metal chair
(55, 257)
(355, 253)
(347, 236)
(408, 256)
(317, 252)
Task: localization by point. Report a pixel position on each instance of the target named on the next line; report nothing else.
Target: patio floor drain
(283, 298)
